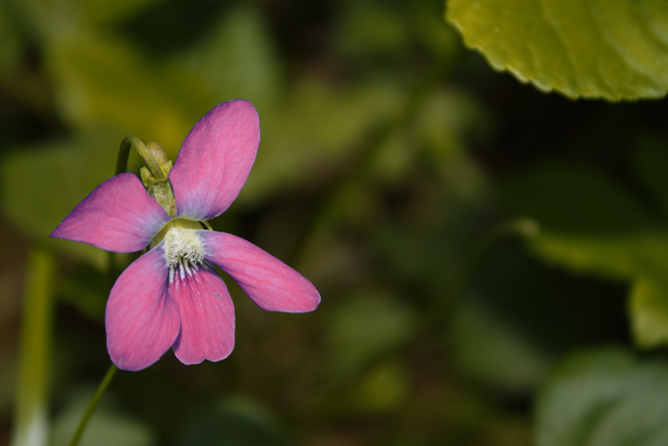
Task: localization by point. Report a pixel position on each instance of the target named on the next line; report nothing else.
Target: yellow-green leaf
(102, 80)
(610, 49)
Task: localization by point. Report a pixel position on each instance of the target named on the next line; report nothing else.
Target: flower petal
(119, 215)
(207, 317)
(215, 160)
(270, 283)
(142, 319)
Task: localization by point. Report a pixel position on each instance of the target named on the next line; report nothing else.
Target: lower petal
(270, 283)
(207, 317)
(142, 320)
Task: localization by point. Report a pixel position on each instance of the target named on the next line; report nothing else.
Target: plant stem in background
(30, 413)
(321, 217)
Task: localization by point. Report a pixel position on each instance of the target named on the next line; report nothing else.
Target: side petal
(270, 283)
(215, 160)
(142, 320)
(119, 215)
(207, 317)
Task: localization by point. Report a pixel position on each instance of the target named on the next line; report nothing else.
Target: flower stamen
(183, 252)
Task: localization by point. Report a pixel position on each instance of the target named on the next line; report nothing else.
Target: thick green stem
(91, 406)
(30, 417)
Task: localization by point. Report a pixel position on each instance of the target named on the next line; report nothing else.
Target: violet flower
(172, 296)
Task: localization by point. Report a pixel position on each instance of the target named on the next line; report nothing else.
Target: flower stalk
(91, 406)
(155, 174)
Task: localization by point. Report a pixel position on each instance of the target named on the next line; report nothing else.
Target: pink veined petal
(207, 317)
(215, 160)
(142, 320)
(270, 283)
(119, 215)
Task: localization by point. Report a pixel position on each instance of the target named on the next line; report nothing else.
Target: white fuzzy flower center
(183, 251)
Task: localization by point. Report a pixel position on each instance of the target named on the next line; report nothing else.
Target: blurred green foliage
(466, 232)
(604, 397)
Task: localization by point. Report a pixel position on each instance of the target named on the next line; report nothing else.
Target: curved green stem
(91, 406)
(123, 154)
(144, 151)
(146, 154)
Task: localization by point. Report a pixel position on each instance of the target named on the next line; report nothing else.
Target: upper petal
(215, 160)
(119, 215)
(142, 320)
(270, 283)
(207, 317)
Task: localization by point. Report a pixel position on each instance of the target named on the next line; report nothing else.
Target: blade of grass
(31, 425)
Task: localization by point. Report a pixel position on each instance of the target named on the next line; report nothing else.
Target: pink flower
(172, 296)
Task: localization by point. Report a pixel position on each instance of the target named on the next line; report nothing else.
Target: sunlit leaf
(649, 310)
(106, 81)
(604, 398)
(611, 49)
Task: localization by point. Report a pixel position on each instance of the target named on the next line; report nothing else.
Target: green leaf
(604, 398)
(590, 224)
(618, 256)
(493, 350)
(238, 60)
(354, 342)
(106, 81)
(41, 185)
(317, 126)
(234, 422)
(610, 49)
(384, 389)
(649, 311)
